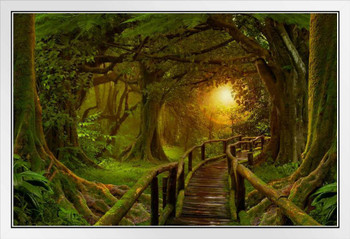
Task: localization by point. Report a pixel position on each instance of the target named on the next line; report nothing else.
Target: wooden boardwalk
(206, 197)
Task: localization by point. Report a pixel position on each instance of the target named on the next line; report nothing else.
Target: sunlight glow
(218, 104)
(224, 95)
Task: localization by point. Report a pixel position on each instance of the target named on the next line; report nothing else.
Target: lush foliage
(33, 201)
(91, 137)
(325, 203)
(269, 172)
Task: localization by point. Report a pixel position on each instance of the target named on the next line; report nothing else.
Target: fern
(29, 190)
(325, 203)
(81, 25)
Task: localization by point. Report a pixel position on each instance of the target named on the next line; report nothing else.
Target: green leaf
(32, 189)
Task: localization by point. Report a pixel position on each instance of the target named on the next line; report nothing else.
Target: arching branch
(225, 22)
(294, 52)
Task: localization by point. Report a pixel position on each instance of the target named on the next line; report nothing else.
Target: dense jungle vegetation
(102, 99)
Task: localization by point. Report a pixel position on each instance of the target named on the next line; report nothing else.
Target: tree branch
(250, 45)
(250, 58)
(106, 78)
(290, 46)
(97, 70)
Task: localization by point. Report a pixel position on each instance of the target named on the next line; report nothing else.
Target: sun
(222, 96)
(216, 103)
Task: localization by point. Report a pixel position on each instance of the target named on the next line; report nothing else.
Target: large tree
(320, 154)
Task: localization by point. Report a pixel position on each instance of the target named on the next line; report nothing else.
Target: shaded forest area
(102, 99)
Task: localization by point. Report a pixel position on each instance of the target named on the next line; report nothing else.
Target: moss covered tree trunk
(148, 143)
(285, 77)
(321, 149)
(89, 199)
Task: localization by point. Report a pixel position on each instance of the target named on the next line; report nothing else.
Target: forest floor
(125, 173)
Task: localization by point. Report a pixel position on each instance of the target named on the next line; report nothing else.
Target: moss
(179, 203)
(244, 218)
(269, 172)
(272, 217)
(165, 214)
(232, 205)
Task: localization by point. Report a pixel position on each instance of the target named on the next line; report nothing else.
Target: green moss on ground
(126, 173)
(268, 172)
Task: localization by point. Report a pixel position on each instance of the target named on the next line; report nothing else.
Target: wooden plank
(206, 196)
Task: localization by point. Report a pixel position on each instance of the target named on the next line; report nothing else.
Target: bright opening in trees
(223, 96)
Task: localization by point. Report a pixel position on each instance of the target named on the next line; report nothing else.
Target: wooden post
(225, 145)
(154, 201)
(233, 182)
(190, 162)
(233, 151)
(203, 152)
(240, 139)
(182, 180)
(251, 146)
(240, 193)
(172, 189)
(229, 165)
(165, 189)
(262, 143)
(250, 158)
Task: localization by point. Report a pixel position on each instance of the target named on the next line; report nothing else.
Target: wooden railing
(238, 173)
(122, 207)
(174, 185)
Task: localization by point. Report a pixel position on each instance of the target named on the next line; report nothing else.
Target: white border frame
(5, 128)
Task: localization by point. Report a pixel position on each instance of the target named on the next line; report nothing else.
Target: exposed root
(259, 208)
(272, 216)
(253, 198)
(90, 199)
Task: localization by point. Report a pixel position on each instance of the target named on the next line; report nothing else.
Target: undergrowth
(268, 172)
(126, 173)
(33, 199)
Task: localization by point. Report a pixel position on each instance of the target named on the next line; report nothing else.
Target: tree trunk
(285, 77)
(29, 138)
(321, 149)
(148, 145)
(270, 151)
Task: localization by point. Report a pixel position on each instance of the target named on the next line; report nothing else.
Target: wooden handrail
(123, 205)
(288, 208)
